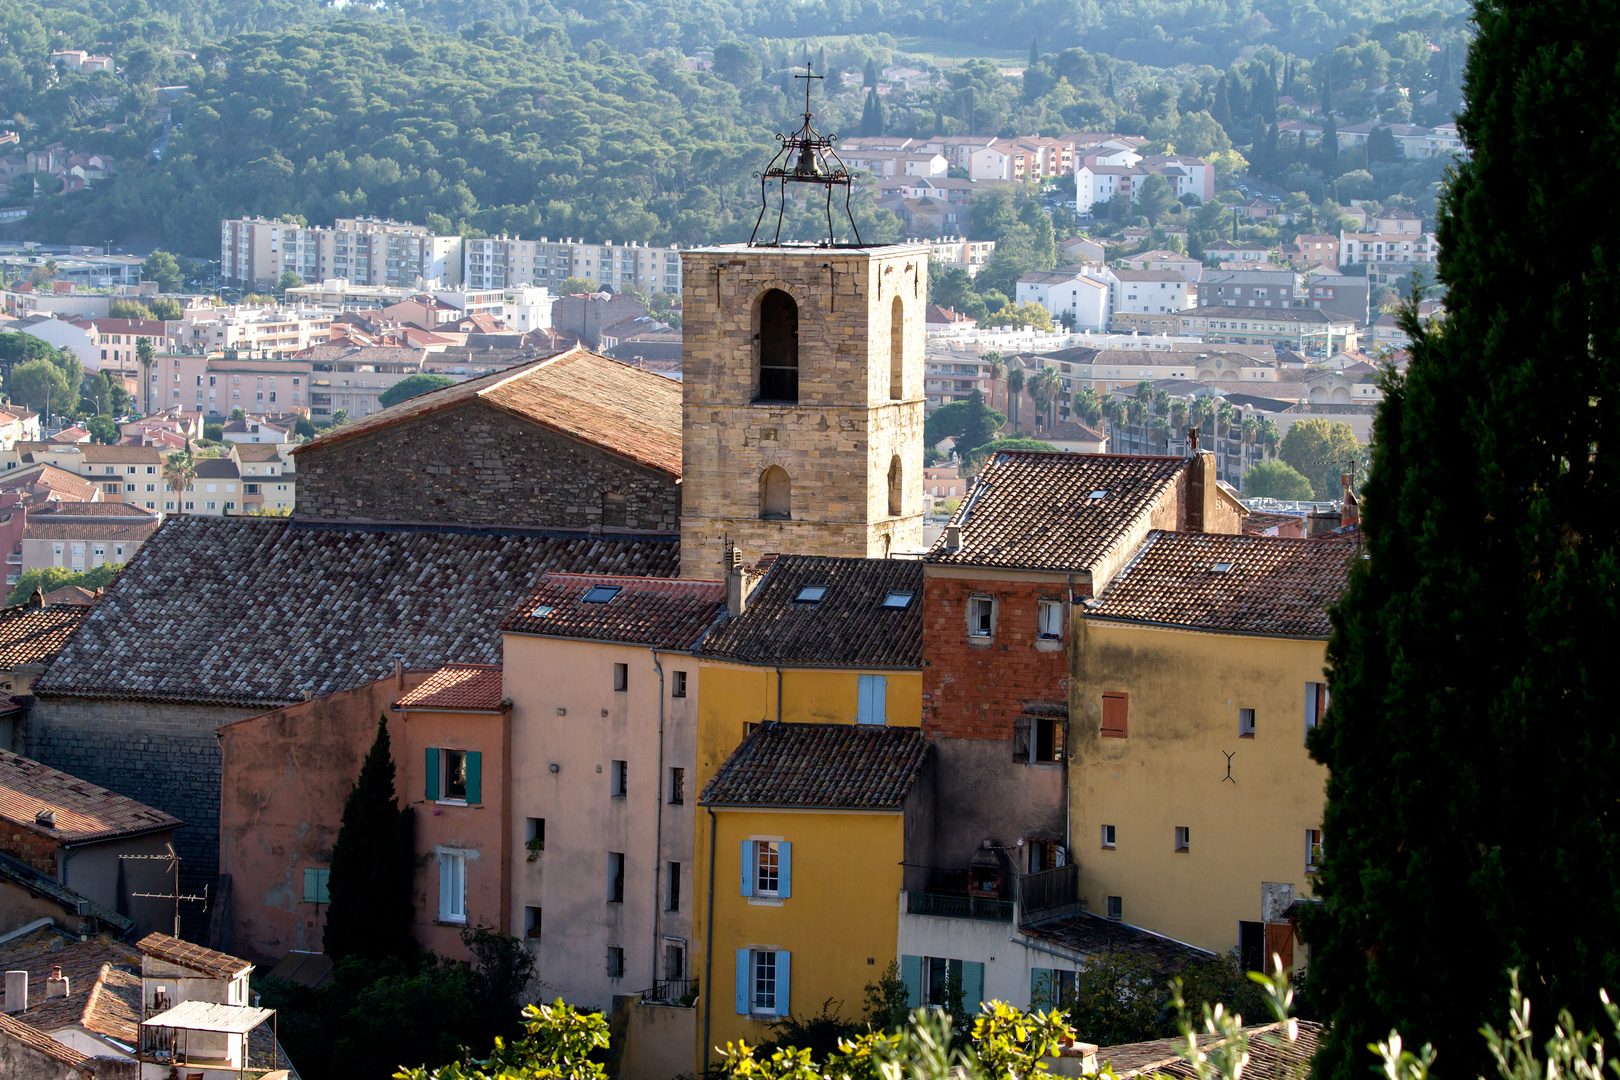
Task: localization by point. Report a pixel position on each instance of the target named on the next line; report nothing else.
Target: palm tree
(1271, 436)
(1224, 417)
(1251, 435)
(1200, 410)
(1015, 389)
(1136, 411)
(1114, 409)
(1178, 417)
(147, 356)
(1161, 409)
(1044, 388)
(1086, 406)
(179, 470)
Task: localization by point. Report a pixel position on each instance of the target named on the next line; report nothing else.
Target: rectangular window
(677, 684)
(1316, 705)
(534, 835)
(674, 886)
(1313, 849)
(767, 868)
(1245, 723)
(452, 887)
(620, 779)
(1049, 620)
(981, 616)
(621, 676)
(615, 962)
(674, 962)
(315, 886)
(764, 995)
(1115, 908)
(1115, 709)
(677, 786)
(872, 699)
(1108, 836)
(1183, 838)
(531, 923)
(615, 877)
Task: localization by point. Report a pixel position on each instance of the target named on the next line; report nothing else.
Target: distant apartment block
(277, 332)
(510, 262)
(255, 252)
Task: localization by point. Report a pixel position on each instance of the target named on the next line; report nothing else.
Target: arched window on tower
(897, 349)
(775, 494)
(778, 347)
(895, 486)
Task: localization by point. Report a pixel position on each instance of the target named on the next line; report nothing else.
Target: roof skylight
(898, 599)
(1220, 568)
(810, 594)
(601, 594)
(542, 611)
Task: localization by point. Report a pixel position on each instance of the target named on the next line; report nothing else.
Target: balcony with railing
(680, 993)
(1049, 894)
(981, 890)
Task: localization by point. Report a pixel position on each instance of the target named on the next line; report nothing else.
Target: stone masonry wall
(836, 444)
(164, 755)
(476, 465)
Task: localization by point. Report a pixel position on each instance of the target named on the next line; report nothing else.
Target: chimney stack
(57, 985)
(953, 538)
(736, 587)
(16, 991)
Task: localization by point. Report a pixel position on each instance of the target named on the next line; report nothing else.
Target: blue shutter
(748, 868)
(475, 777)
(784, 979)
(432, 772)
(784, 870)
(972, 985)
(863, 708)
(742, 982)
(911, 975)
(880, 699)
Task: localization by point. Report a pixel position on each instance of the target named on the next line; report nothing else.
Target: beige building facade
(255, 252)
(803, 402)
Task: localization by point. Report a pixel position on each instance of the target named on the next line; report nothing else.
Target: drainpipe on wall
(708, 950)
(658, 826)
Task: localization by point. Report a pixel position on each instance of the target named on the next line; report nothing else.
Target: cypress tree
(1222, 109)
(1034, 51)
(370, 913)
(1473, 754)
(871, 74)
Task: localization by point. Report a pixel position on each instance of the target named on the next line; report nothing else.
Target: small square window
(1108, 836)
(531, 923)
(677, 684)
(615, 962)
(1313, 849)
(677, 786)
(621, 676)
(601, 594)
(621, 779)
(810, 594)
(1245, 723)
(1221, 568)
(897, 600)
(1115, 908)
(1183, 838)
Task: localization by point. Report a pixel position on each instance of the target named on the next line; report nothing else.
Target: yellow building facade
(1195, 807)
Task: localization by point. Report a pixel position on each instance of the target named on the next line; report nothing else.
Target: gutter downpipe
(1068, 655)
(658, 818)
(708, 949)
(778, 693)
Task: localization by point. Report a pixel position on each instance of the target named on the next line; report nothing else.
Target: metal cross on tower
(805, 157)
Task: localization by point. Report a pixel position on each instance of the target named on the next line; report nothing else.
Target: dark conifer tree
(1034, 51)
(1471, 743)
(1222, 109)
(370, 885)
(871, 79)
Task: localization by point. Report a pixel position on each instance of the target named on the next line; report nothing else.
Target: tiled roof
(1271, 1055)
(1235, 584)
(184, 954)
(458, 687)
(665, 613)
(825, 766)
(316, 606)
(104, 987)
(52, 479)
(43, 1044)
(617, 406)
(14, 871)
(71, 595)
(1034, 511)
(849, 627)
(217, 468)
(1256, 523)
(64, 509)
(1298, 315)
(80, 811)
(96, 454)
(1093, 935)
(32, 635)
(50, 528)
(258, 451)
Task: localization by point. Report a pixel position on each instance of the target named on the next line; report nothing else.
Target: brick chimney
(16, 991)
(1203, 493)
(1350, 505)
(57, 985)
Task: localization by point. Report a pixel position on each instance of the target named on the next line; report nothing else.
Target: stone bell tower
(802, 408)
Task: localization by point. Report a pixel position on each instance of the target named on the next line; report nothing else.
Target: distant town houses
(56, 169)
(1098, 184)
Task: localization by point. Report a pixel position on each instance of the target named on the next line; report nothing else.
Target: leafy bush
(1276, 480)
(413, 386)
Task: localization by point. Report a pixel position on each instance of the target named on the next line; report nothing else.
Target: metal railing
(959, 906)
(1047, 894)
(680, 992)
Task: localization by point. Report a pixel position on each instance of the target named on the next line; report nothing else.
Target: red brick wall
(975, 691)
(35, 850)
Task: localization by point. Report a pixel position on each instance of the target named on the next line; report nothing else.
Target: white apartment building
(1366, 248)
(278, 332)
(1151, 292)
(510, 262)
(254, 253)
(1070, 291)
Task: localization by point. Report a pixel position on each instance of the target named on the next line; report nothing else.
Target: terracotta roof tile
(54, 528)
(1271, 1055)
(826, 766)
(1256, 523)
(96, 454)
(1234, 584)
(104, 985)
(32, 635)
(665, 613)
(849, 626)
(1034, 511)
(51, 479)
(318, 606)
(184, 954)
(616, 406)
(71, 595)
(1093, 935)
(41, 1043)
(81, 811)
(258, 451)
(58, 511)
(458, 687)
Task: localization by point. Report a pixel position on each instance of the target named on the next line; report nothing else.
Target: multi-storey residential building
(79, 536)
(266, 472)
(116, 339)
(255, 252)
(1078, 292)
(954, 251)
(510, 262)
(1157, 293)
(217, 386)
(1297, 328)
(279, 332)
